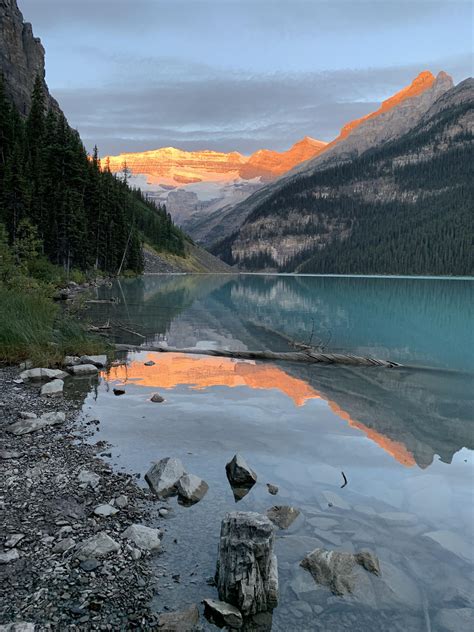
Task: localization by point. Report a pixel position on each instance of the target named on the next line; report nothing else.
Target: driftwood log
(310, 356)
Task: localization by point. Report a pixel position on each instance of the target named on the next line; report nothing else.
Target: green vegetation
(422, 224)
(85, 217)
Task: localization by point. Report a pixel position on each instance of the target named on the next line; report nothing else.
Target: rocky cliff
(395, 117)
(403, 206)
(21, 57)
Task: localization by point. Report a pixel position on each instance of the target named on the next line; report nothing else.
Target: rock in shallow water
(97, 360)
(163, 476)
(334, 568)
(239, 473)
(222, 614)
(283, 516)
(53, 388)
(191, 489)
(272, 489)
(157, 399)
(83, 369)
(247, 573)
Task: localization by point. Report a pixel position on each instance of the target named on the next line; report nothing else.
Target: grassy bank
(33, 327)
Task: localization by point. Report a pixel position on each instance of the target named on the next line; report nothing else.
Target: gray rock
(14, 539)
(18, 626)
(90, 564)
(182, 621)
(9, 556)
(27, 415)
(157, 399)
(97, 360)
(334, 568)
(98, 545)
(272, 489)
(149, 363)
(105, 510)
(121, 501)
(283, 515)
(247, 572)
(222, 614)
(83, 369)
(71, 360)
(6, 455)
(89, 478)
(399, 518)
(163, 477)
(163, 512)
(26, 426)
(42, 374)
(239, 473)
(64, 545)
(53, 388)
(143, 537)
(191, 489)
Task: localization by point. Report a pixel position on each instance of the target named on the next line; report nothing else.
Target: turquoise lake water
(403, 437)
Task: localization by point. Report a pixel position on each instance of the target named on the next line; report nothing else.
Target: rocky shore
(67, 559)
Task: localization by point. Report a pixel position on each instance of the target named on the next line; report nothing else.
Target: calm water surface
(403, 437)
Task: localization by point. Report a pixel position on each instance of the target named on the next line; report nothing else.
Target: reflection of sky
(176, 369)
(238, 74)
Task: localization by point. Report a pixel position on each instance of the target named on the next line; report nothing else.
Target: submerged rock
(53, 388)
(283, 515)
(98, 545)
(163, 476)
(247, 572)
(182, 621)
(191, 489)
(83, 369)
(97, 360)
(222, 614)
(26, 426)
(272, 489)
(334, 568)
(143, 537)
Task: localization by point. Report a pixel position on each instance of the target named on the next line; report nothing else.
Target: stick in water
(345, 480)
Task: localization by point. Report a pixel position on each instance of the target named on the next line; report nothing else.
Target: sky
(238, 75)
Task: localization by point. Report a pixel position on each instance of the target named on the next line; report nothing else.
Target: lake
(404, 438)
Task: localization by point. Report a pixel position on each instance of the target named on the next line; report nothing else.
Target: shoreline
(48, 512)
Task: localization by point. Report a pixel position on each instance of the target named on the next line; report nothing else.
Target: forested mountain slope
(405, 207)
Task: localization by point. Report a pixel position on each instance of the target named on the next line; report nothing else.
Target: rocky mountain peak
(21, 57)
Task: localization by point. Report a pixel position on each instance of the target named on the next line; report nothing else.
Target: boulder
(222, 614)
(53, 388)
(182, 621)
(98, 545)
(26, 426)
(97, 360)
(83, 369)
(143, 537)
(239, 473)
(71, 360)
(334, 568)
(105, 510)
(247, 573)
(283, 515)
(163, 476)
(156, 398)
(42, 374)
(191, 489)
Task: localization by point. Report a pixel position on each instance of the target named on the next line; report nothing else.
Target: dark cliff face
(21, 57)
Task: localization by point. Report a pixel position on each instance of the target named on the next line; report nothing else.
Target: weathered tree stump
(247, 572)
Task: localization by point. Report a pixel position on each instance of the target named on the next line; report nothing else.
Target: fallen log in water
(309, 356)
